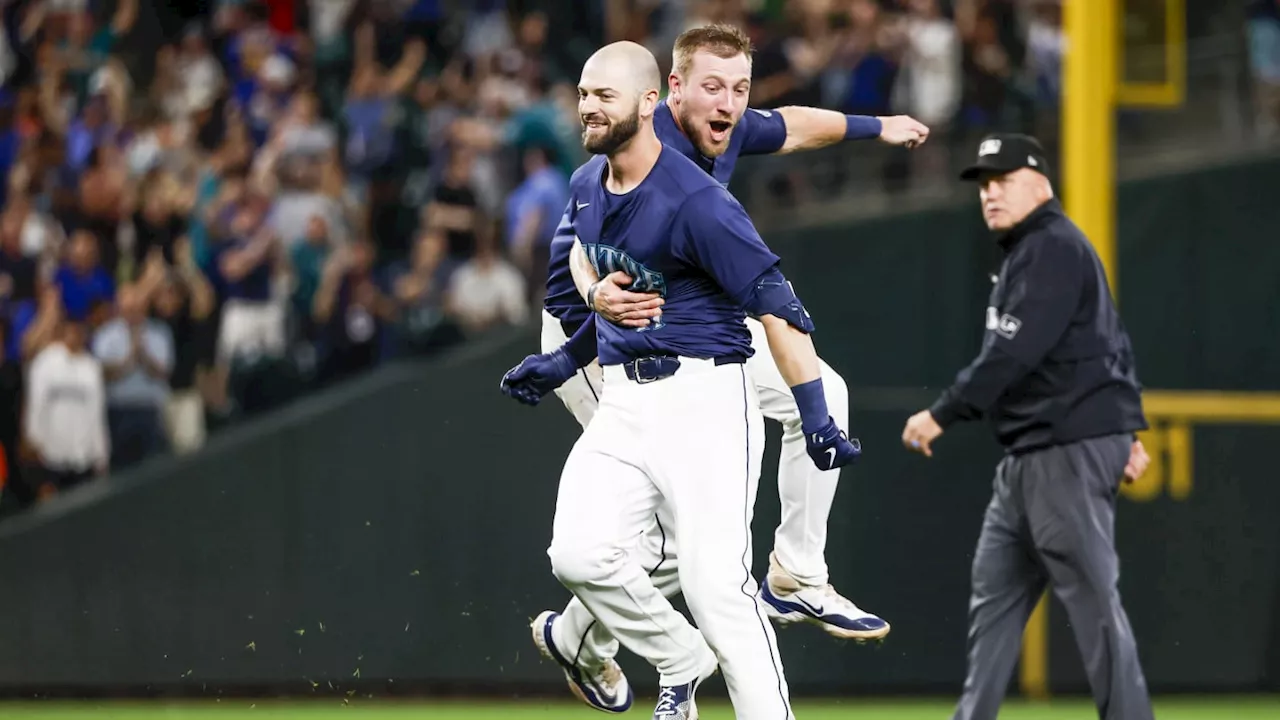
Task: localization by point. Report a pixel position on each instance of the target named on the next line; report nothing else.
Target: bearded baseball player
(680, 425)
(706, 119)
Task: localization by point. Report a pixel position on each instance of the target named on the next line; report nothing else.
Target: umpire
(1055, 379)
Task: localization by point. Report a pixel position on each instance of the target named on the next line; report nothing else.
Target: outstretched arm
(793, 128)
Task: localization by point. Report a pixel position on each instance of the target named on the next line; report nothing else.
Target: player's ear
(673, 85)
(649, 102)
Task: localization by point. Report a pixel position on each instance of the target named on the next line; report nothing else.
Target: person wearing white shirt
(66, 411)
(487, 291)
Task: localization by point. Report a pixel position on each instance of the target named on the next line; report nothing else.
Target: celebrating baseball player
(706, 118)
(680, 425)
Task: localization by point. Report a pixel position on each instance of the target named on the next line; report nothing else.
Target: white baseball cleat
(604, 688)
(787, 600)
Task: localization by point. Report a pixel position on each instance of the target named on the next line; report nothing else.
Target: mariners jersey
(759, 132)
(679, 234)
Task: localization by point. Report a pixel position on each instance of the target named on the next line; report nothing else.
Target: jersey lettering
(606, 259)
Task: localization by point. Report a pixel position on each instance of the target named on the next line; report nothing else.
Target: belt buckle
(638, 378)
(657, 363)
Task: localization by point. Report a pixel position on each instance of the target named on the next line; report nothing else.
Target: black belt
(660, 367)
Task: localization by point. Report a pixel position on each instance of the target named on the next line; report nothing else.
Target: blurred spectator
(253, 321)
(159, 221)
(1264, 59)
(928, 84)
(993, 53)
(454, 207)
(352, 307)
(66, 412)
(534, 210)
(137, 356)
(868, 61)
(82, 279)
(419, 288)
(307, 259)
(487, 291)
(1046, 43)
(17, 271)
(184, 302)
(102, 199)
(87, 48)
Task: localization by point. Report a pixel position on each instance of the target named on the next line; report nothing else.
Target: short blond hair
(720, 39)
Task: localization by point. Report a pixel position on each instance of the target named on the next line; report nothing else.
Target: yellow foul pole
(1089, 78)
(1088, 186)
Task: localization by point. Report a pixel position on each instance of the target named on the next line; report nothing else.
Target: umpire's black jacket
(1056, 365)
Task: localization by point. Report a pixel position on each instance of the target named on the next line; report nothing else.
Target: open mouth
(719, 129)
(594, 123)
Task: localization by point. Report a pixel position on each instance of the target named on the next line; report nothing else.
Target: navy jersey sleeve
(1045, 286)
(764, 131)
(713, 232)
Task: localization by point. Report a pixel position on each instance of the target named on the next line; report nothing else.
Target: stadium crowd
(206, 215)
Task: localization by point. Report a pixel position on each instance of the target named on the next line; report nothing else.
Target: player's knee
(576, 565)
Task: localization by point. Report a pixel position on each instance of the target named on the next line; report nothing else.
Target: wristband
(862, 127)
(591, 295)
(812, 403)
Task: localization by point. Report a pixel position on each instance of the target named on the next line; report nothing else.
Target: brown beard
(616, 135)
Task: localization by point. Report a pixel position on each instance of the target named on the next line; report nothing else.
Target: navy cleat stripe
(596, 694)
(865, 623)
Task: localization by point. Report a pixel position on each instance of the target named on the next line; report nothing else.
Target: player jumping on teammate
(680, 427)
(706, 118)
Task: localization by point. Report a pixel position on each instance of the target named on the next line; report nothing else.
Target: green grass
(1250, 708)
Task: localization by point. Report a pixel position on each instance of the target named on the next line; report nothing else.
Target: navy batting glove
(538, 375)
(830, 447)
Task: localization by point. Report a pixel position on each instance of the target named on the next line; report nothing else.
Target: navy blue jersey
(683, 236)
(759, 132)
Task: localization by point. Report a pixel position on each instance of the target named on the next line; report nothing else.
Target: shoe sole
(539, 640)
(788, 619)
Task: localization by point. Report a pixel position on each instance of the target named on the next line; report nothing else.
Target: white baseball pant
(693, 443)
(806, 493)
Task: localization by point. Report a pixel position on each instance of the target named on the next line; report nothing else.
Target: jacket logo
(1006, 326)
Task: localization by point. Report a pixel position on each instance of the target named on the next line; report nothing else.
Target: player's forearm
(584, 276)
(797, 361)
(792, 350)
(812, 128)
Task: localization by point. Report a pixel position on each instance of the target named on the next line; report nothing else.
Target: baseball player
(680, 425)
(706, 118)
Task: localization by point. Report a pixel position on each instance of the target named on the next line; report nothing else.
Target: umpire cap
(1005, 152)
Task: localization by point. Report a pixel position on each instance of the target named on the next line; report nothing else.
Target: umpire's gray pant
(1052, 520)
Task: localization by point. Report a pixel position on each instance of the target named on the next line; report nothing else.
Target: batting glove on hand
(538, 375)
(830, 447)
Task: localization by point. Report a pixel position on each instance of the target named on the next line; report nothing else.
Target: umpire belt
(660, 367)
